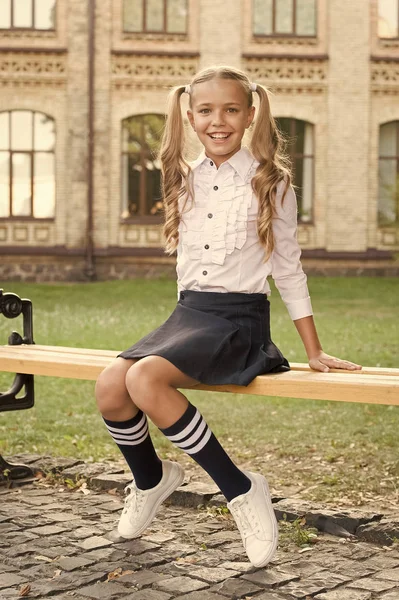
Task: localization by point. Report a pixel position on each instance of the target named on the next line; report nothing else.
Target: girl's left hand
(324, 362)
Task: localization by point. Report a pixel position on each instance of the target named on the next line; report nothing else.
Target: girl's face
(220, 115)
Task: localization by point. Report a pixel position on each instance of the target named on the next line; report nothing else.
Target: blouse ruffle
(230, 214)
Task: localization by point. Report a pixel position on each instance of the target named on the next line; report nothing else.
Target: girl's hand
(324, 362)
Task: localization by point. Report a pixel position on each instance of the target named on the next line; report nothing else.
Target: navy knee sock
(192, 434)
(134, 441)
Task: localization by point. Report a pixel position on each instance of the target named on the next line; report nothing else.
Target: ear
(251, 114)
(191, 118)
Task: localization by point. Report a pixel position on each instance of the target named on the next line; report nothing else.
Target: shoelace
(246, 519)
(134, 498)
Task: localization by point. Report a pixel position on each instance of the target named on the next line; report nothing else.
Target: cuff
(300, 308)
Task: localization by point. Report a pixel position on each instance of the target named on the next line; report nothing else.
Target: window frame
(387, 39)
(165, 30)
(290, 151)
(32, 27)
(142, 219)
(293, 33)
(392, 158)
(31, 153)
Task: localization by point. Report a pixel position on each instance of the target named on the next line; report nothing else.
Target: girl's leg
(152, 384)
(127, 424)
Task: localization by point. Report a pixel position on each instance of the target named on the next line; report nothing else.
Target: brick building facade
(83, 90)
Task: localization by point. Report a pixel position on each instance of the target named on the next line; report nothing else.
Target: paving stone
(383, 561)
(345, 594)
(237, 588)
(103, 591)
(194, 494)
(94, 542)
(159, 537)
(241, 567)
(382, 532)
(211, 575)
(137, 546)
(388, 575)
(270, 578)
(180, 585)
(150, 559)
(272, 596)
(48, 530)
(148, 595)
(74, 562)
(203, 595)
(142, 579)
(10, 579)
(372, 585)
(390, 596)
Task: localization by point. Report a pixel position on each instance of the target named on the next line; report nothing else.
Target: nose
(217, 118)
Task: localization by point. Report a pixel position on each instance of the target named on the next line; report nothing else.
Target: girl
(231, 216)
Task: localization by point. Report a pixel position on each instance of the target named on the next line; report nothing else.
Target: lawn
(338, 453)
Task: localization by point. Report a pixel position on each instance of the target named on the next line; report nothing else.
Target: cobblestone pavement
(61, 543)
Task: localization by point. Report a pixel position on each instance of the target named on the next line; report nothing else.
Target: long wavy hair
(267, 146)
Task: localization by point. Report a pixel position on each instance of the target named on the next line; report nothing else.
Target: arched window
(141, 175)
(27, 164)
(388, 174)
(301, 150)
(27, 14)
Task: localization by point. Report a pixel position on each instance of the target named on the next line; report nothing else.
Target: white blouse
(219, 248)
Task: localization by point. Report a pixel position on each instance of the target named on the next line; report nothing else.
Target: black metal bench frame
(12, 306)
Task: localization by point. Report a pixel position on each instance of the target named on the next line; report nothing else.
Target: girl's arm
(319, 360)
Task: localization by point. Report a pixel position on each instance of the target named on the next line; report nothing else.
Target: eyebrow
(225, 104)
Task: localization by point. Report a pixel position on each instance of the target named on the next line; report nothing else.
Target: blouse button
(211, 163)
(205, 272)
(210, 215)
(215, 187)
(206, 246)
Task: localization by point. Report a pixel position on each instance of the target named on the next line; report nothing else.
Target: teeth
(219, 136)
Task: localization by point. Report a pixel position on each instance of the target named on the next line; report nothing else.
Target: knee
(141, 382)
(110, 390)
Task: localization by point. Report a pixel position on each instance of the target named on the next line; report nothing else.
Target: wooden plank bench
(370, 385)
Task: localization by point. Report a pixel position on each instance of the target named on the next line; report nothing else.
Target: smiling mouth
(219, 136)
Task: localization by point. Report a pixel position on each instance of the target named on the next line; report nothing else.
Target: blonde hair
(266, 145)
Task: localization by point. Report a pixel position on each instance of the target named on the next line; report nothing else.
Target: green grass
(331, 451)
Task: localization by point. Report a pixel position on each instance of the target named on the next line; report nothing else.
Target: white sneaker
(253, 512)
(141, 505)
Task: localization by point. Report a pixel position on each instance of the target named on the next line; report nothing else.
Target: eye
(204, 111)
(231, 109)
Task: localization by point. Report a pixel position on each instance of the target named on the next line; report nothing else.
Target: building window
(141, 169)
(284, 17)
(27, 14)
(27, 165)
(300, 147)
(388, 19)
(388, 175)
(155, 16)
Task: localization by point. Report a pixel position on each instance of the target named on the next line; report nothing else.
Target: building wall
(345, 81)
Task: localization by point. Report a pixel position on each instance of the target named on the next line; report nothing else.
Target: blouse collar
(241, 162)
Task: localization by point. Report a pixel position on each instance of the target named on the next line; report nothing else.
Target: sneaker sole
(272, 515)
(176, 483)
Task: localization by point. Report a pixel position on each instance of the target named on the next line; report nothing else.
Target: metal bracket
(11, 306)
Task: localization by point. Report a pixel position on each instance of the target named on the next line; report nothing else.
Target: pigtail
(267, 147)
(175, 170)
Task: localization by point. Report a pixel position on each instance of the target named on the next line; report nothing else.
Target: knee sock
(134, 441)
(192, 434)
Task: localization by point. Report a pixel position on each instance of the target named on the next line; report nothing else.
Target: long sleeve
(287, 270)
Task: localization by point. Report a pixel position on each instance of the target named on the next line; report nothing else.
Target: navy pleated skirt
(216, 338)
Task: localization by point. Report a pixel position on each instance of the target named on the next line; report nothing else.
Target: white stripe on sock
(130, 438)
(184, 433)
(133, 429)
(193, 438)
(132, 442)
(202, 443)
